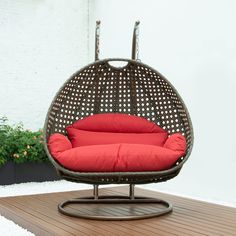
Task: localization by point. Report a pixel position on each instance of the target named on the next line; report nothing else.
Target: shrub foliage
(20, 145)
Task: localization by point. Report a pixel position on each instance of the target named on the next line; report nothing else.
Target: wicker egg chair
(135, 89)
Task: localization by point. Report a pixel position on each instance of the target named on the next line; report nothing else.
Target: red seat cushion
(117, 123)
(118, 157)
(84, 138)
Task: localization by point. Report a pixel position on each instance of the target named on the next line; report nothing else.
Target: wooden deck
(38, 214)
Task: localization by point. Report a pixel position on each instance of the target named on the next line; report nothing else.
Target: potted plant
(22, 155)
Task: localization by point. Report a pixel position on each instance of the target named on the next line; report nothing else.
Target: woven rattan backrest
(134, 89)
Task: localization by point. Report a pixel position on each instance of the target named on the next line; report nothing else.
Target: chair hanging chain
(135, 42)
(137, 45)
(97, 48)
(97, 39)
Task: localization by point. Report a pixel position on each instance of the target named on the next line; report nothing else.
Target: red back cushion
(117, 122)
(85, 138)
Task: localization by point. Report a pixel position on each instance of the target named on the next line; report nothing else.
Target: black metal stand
(132, 213)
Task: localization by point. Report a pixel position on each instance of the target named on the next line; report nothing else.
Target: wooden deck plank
(179, 222)
(118, 225)
(36, 221)
(10, 214)
(38, 214)
(108, 225)
(52, 217)
(171, 229)
(185, 219)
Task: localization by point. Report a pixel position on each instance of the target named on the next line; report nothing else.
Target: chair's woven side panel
(157, 100)
(177, 117)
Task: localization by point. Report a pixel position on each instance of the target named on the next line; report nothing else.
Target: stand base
(115, 208)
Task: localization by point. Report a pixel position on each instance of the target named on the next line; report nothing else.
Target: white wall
(192, 43)
(42, 42)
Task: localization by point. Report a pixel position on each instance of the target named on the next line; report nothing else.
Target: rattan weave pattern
(135, 89)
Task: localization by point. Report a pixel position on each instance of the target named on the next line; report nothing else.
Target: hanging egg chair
(136, 90)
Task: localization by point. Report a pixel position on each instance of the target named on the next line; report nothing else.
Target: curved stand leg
(134, 212)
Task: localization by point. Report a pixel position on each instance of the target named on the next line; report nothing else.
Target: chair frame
(131, 178)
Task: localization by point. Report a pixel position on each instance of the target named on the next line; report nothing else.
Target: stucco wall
(42, 42)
